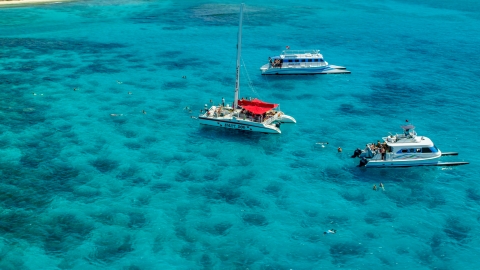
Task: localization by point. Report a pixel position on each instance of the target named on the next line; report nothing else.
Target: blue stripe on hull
(304, 71)
(441, 164)
(259, 128)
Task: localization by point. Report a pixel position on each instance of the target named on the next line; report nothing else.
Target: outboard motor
(363, 162)
(357, 153)
(278, 124)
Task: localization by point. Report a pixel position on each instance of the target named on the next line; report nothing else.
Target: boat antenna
(239, 53)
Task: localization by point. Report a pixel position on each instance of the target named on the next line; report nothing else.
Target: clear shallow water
(82, 189)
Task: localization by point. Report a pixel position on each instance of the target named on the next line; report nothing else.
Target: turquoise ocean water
(81, 189)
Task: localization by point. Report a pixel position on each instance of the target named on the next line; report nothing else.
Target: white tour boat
(249, 115)
(294, 62)
(403, 150)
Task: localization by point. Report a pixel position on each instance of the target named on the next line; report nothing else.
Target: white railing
(244, 117)
(273, 118)
(302, 64)
(378, 156)
(293, 52)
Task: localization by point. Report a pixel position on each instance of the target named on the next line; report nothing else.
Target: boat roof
(256, 106)
(300, 54)
(416, 141)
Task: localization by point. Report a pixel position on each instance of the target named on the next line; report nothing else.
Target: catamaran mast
(239, 53)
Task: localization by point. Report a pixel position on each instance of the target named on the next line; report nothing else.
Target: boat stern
(265, 67)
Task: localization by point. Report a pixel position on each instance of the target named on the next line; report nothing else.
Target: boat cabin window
(432, 149)
(426, 150)
(296, 60)
(309, 60)
(321, 60)
(315, 60)
(415, 150)
(290, 60)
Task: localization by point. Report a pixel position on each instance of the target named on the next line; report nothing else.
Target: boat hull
(405, 165)
(301, 70)
(287, 119)
(433, 161)
(402, 160)
(380, 164)
(239, 125)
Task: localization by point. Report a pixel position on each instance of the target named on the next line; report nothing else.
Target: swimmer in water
(332, 231)
(381, 186)
(374, 187)
(144, 112)
(339, 149)
(322, 143)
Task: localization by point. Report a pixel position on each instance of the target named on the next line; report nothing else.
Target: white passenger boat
(403, 150)
(294, 62)
(249, 115)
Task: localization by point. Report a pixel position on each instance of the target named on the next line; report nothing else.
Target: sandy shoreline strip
(27, 2)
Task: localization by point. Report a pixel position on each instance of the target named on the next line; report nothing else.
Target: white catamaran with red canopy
(249, 115)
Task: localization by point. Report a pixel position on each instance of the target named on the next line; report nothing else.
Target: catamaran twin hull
(331, 69)
(413, 161)
(401, 163)
(416, 164)
(240, 125)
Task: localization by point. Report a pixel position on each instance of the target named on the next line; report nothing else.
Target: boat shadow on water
(232, 135)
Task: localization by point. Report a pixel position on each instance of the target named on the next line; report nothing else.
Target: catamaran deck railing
(302, 64)
(294, 52)
(242, 116)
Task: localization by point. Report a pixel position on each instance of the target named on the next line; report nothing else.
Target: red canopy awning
(256, 106)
